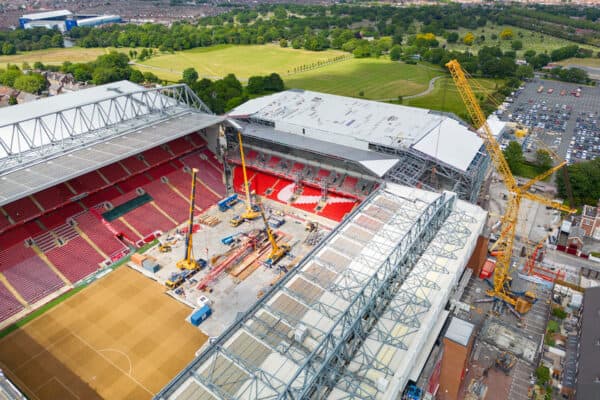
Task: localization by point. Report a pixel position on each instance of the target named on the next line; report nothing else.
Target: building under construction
(406, 145)
(358, 316)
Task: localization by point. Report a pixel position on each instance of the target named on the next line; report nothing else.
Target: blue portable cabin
(200, 315)
(227, 202)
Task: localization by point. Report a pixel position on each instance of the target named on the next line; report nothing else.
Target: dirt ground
(120, 338)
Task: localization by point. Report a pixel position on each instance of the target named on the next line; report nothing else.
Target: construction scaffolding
(342, 322)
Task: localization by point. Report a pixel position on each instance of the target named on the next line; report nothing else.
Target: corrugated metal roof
(588, 370)
(460, 331)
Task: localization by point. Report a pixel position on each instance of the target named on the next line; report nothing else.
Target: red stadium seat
(114, 172)
(22, 209)
(54, 196)
(99, 234)
(180, 146)
(28, 274)
(59, 217)
(156, 155)
(9, 305)
(134, 164)
(89, 182)
(76, 259)
(107, 194)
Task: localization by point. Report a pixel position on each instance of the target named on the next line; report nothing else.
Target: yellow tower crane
(189, 262)
(251, 212)
(277, 250)
(501, 286)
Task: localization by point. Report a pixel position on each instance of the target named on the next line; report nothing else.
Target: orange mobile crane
(189, 262)
(521, 303)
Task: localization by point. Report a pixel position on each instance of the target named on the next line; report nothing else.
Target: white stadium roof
(358, 123)
(48, 14)
(363, 308)
(54, 139)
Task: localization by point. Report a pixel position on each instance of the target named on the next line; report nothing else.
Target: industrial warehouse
(304, 245)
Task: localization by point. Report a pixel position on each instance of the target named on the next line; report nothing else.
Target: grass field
(445, 96)
(57, 56)
(377, 78)
(243, 61)
(120, 338)
(531, 40)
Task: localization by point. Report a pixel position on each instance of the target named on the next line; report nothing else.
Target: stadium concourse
(88, 176)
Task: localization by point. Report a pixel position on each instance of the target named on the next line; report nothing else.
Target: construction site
(308, 245)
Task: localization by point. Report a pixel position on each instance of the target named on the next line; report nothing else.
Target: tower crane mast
(501, 283)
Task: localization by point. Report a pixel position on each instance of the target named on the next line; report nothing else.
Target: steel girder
(327, 362)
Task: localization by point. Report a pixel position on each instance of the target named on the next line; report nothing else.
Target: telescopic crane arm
(188, 262)
(509, 220)
(250, 212)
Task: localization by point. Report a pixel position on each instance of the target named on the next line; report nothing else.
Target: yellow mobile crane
(501, 286)
(189, 262)
(277, 250)
(251, 212)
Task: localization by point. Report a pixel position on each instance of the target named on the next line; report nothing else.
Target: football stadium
(304, 245)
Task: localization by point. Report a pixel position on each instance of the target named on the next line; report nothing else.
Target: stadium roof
(46, 142)
(360, 123)
(357, 317)
(48, 14)
(375, 162)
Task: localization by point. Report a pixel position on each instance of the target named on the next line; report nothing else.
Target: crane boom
(509, 220)
(250, 212)
(188, 262)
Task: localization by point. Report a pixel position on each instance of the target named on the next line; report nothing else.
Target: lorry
(228, 202)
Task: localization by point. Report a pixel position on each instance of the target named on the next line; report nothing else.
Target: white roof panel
(48, 14)
(359, 123)
(450, 143)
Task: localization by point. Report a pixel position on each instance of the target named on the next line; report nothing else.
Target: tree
(524, 72)
(190, 76)
(516, 45)
(280, 13)
(256, 84)
(31, 83)
(585, 182)
(8, 49)
(150, 77)
(452, 37)
(542, 374)
(395, 53)
(469, 39)
(514, 157)
(543, 159)
(283, 43)
(136, 76)
(12, 100)
(273, 83)
(559, 313)
(506, 34)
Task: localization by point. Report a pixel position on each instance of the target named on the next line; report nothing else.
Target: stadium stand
(9, 305)
(107, 194)
(54, 196)
(22, 209)
(19, 234)
(33, 279)
(4, 222)
(76, 259)
(89, 182)
(59, 217)
(133, 164)
(156, 155)
(168, 200)
(113, 172)
(99, 234)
